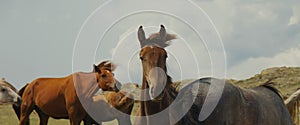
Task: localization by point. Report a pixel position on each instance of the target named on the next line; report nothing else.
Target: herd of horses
(63, 98)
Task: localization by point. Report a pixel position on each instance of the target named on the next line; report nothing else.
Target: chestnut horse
(257, 106)
(59, 97)
(8, 94)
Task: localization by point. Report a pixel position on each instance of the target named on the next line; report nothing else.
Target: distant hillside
(285, 79)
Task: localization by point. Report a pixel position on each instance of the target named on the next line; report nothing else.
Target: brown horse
(59, 97)
(8, 94)
(258, 106)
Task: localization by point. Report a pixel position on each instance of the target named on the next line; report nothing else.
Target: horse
(8, 94)
(293, 104)
(261, 105)
(110, 103)
(115, 105)
(59, 97)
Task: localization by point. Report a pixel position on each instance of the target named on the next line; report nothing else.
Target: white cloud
(246, 26)
(293, 20)
(252, 66)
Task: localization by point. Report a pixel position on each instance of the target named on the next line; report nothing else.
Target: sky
(232, 39)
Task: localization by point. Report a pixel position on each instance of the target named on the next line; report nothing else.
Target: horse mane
(156, 39)
(107, 65)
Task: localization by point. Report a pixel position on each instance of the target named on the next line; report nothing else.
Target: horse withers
(60, 97)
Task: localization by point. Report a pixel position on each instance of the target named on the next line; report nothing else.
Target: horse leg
(88, 120)
(26, 109)
(43, 117)
(76, 114)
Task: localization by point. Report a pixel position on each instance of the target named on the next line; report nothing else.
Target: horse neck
(169, 93)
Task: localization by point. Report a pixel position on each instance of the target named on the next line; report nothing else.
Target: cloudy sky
(54, 38)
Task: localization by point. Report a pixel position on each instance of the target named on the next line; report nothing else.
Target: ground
(285, 79)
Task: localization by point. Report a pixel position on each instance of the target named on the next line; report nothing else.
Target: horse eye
(103, 75)
(113, 74)
(3, 90)
(142, 58)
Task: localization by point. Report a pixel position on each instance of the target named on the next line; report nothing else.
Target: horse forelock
(156, 39)
(107, 65)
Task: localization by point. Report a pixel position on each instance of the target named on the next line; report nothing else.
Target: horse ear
(141, 36)
(162, 32)
(96, 69)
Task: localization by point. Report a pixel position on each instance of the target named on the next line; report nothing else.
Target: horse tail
(17, 106)
(293, 103)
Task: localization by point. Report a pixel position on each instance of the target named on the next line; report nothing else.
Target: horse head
(105, 77)
(7, 94)
(153, 57)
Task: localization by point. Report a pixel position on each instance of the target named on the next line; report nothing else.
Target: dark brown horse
(258, 106)
(59, 97)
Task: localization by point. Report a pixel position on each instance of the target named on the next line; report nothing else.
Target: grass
(8, 117)
(286, 79)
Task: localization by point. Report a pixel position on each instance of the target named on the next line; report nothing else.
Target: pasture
(287, 81)
(8, 117)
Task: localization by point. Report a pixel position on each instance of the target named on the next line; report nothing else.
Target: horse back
(259, 106)
(264, 105)
(48, 95)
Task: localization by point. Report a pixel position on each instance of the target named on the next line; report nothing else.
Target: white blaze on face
(157, 79)
(113, 83)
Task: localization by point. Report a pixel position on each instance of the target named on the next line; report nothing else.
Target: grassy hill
(285, 79)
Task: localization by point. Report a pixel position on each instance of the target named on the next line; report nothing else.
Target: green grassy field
(8, 117)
